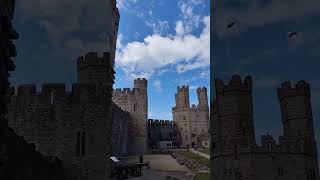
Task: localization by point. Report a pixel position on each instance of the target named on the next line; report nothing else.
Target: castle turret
(141, 83)
(182, 97)
(297, 120)
(94, 69)
(296, 109)
(202, 98)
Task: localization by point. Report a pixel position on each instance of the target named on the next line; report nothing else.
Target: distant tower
(181, 115)
(202, 98)
(182, 97)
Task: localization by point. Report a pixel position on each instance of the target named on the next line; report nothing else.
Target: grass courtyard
(206, 151)
(199, 159)
(203, 176)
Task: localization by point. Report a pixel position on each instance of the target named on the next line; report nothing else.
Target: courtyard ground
(161, 166)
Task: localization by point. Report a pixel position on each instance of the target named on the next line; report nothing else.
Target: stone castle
(235, 153)
(83, 127)
(192, 122)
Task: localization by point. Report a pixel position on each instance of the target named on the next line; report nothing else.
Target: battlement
(93, 59)
(302, 88)
(159, 122)
(58, 88)
(27, 89)
(127, 91)
(235, 84)
(201, 89)
(183, 88)
(140, 80)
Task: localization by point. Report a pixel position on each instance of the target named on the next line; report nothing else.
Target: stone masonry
(75, 126)
(235, 153)
(135, 101)
(161, 130)
(192, 122)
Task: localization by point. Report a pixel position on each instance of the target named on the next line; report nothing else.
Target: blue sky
(150, 42)
(165, 41)
(259, 46)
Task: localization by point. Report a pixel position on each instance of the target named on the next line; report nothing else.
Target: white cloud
(157, 52)
(157, 85)
(190, 17)
(158, 27)
(125, 4)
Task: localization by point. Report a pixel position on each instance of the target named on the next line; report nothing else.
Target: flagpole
(228, 58)
(290, 68)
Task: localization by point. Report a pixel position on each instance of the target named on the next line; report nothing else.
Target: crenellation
(301, 88)
(57, 88)
(235, 84)
(27, 89)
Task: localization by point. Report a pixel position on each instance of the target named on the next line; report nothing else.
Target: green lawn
(203, 176)
(206, 151)
(191, 155)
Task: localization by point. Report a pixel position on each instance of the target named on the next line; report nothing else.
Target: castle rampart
(135, 101)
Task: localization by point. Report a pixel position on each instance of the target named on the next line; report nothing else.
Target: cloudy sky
(259, 46)
(165, 41)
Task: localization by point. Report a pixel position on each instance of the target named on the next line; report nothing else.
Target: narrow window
(280, 172)
(52, 97)
(78, 145)
(135, 106)
(186, 137)
(83, 143)
(238, 176)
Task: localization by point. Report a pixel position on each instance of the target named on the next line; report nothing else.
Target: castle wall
(161, 130)
(75, 126)
(120, 131)
(135, 101)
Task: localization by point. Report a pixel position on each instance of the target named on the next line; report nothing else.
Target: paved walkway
(161, 165)
(200, 153)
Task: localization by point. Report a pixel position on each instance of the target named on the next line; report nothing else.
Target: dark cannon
(121, 170)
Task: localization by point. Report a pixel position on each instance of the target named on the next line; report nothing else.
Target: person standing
(141, 157)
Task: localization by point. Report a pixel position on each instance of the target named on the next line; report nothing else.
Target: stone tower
(182, 98)
(235, 112)
(296, 110)
(135, 101)
(233, 126)
(202, 98)
(192, 122)
(297, 119)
